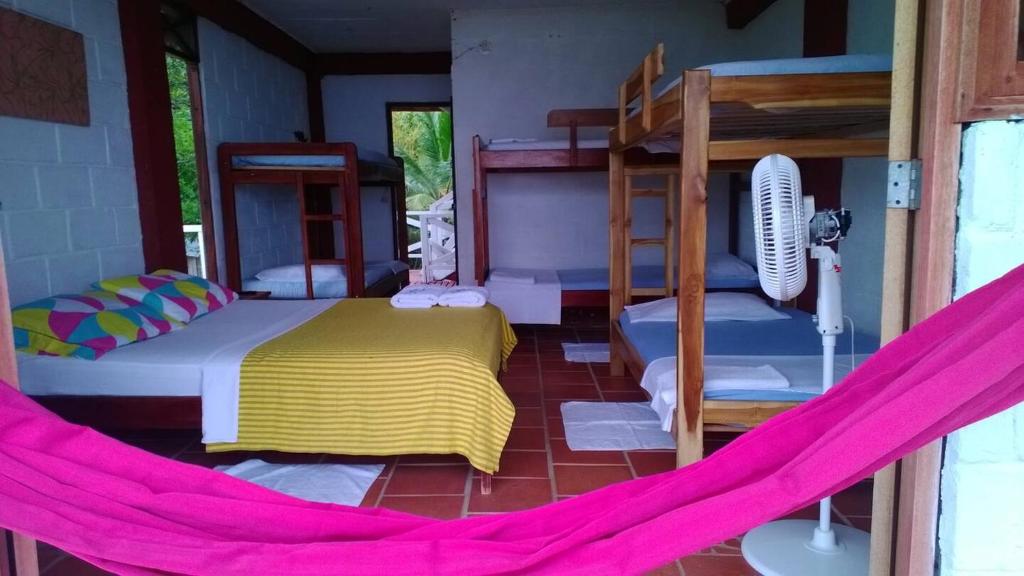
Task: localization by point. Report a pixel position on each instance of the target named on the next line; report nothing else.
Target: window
(992, 60)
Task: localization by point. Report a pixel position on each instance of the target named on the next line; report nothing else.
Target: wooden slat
(647, 241)
(26, 561)
(806, 148)
(350, 201)
(742, 413)
(648, 192)
(693, 169)
(300, 192)
(895, 263)
(670, 231)
(627, 240)
(555, 160)
(481, 263)
(805, 90)
(643, 292)
(327, 261)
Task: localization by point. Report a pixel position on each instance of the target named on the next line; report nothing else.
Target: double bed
(354, 376)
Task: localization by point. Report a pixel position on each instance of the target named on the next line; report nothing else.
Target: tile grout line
(552, 485)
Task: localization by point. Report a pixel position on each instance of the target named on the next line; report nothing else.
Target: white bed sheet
(529, 144)
(803, 373)
(537, 303)
(204, 359)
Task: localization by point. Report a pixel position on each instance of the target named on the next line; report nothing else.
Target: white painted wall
(252, 96)
(981, 528)
(68, 201)
(355, 110)
(540, 59)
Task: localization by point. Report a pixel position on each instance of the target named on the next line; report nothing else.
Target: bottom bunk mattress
(783, 359)
(348, 377)
(723, 272)
(329, 281)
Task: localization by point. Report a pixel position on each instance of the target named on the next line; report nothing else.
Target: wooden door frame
(932, 229)
(195, 90)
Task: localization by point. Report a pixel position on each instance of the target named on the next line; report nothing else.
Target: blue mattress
(311, 161)
(795, 337)
(724, 272)
(296, 289)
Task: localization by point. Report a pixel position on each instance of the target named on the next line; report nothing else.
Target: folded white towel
(764, 377)
(418, 296)
(464, 297)
(512, 276)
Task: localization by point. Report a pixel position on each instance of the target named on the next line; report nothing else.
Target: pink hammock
(135, 513)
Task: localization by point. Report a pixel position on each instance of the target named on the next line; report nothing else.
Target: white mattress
(531, 144)
(537, 303)
(203, 359)
(802, 372)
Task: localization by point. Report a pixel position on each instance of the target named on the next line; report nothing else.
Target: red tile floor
(537, 466)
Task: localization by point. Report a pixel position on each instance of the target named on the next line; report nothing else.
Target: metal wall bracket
(904, 190)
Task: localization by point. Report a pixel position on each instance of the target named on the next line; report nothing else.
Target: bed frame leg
(485, 484)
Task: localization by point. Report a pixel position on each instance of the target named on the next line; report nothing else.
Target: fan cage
(780, 230)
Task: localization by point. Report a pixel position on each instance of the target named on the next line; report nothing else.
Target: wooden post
(480, 241)
(693, 171)
(351, 195)
(307, 257)
(399, 207)
(670, 233)
(627, 240)
(894, 273)
(616, 254)
(26, 560)
(229, 220)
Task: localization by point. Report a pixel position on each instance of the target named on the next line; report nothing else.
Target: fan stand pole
(809, 547)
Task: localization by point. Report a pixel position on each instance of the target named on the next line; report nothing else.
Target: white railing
(196, 263)
(436, 248)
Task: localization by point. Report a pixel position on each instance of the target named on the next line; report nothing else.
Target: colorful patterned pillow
(173, 294)
(85, 325)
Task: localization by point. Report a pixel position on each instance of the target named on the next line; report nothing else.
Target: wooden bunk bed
(572, 155)
(726, 119)
(305, 166)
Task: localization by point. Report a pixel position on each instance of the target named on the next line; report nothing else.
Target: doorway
(421, 135)
(193, 175)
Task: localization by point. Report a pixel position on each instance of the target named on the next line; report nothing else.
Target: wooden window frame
(991, 70)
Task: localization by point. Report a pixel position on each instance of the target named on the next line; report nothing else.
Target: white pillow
(725, 265)
(718, 307)
(297, 273)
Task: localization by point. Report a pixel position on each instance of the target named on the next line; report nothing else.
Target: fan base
(783, 548)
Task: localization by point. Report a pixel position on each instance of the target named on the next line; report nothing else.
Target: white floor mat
(586, 352)
(345, 484)
(593, 426)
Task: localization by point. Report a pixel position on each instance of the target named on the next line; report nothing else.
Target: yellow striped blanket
(366, 378)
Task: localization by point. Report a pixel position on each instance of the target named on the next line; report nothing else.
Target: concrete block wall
(252, 96)
(68, 202)
(981, 528)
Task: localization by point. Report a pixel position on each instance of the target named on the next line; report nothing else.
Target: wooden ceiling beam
(739, 13)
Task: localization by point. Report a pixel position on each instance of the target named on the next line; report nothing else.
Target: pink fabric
(135, 513)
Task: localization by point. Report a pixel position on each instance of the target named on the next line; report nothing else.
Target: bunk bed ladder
(665, 240)
(305, 219)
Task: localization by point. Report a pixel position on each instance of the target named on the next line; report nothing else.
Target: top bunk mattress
(724, 272)
(797, 336)
(506, 144)
(373, 166)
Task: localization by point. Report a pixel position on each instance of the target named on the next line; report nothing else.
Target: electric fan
(785, 225)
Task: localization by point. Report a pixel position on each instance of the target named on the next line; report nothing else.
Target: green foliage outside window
(424, 141)
(184, 142)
